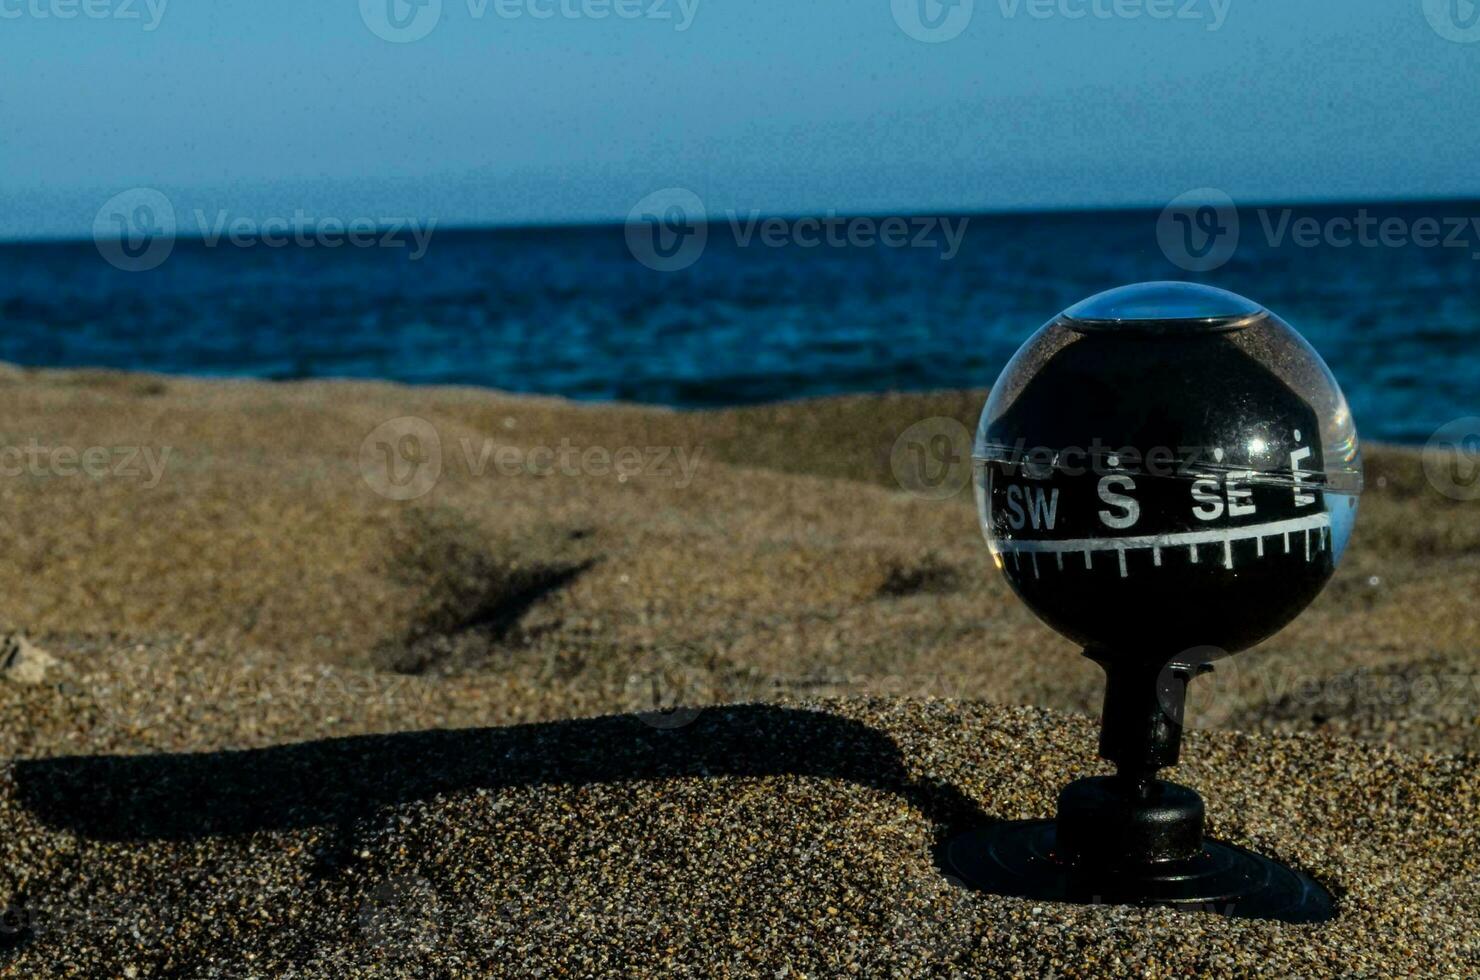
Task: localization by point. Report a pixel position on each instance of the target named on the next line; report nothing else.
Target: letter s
(1015, 516)
(1129, 505)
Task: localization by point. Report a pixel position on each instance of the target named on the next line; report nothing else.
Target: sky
(534, 111)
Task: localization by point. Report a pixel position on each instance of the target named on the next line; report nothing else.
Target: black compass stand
(1130, 838)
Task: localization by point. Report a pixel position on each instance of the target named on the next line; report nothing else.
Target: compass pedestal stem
(1141, 730)
(1133, 819)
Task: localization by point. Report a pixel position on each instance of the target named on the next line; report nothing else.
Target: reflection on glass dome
(1173, 305)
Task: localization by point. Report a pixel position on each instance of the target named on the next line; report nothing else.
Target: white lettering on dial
(1129, 509)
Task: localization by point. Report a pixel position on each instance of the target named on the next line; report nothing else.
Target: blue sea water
(569, 311)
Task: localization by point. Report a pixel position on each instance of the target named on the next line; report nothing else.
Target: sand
(289, 725)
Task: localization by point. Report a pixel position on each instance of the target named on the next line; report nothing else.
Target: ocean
(750, 318)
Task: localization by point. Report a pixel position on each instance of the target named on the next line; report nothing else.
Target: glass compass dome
(1167, 453)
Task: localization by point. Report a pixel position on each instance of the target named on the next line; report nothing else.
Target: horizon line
(590, 224)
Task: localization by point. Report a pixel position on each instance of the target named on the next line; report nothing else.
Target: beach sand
(269, 720)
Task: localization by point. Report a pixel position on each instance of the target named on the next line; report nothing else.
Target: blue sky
(499, 114)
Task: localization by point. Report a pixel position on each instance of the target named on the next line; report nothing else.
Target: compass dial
(1167, 466)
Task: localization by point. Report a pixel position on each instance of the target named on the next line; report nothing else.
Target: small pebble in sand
(22, 662)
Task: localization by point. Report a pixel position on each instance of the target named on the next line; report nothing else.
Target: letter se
(1209, 504)
(1212, 497)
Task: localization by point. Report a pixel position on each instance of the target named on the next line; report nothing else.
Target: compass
(1167, 474)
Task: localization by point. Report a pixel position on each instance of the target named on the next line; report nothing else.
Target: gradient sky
(267, 106)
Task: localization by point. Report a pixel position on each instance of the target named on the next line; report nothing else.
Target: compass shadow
(347, 782)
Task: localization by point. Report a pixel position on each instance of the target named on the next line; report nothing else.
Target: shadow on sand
(346, 781)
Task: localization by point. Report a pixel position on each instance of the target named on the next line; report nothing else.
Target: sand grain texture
(297, 728)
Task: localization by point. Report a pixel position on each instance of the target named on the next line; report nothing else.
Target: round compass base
(1019, 859)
